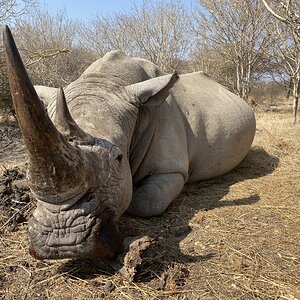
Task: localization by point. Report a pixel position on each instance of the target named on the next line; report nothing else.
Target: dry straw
(234, 237)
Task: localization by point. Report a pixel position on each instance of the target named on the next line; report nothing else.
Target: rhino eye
(119, 158)
(116, 154)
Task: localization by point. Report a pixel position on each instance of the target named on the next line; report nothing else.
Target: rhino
(123, 137)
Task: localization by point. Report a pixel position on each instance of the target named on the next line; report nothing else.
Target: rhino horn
(55, 166)
(66, 124)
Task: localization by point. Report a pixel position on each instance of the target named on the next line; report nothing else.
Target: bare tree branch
(157, 31)
(286, 41)
(238, 31)
(280, 18)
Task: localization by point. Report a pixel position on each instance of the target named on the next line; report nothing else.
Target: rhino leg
(154, 194)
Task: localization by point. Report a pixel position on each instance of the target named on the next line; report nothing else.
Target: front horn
(55, 171)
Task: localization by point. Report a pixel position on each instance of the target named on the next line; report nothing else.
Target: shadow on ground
(173, 226)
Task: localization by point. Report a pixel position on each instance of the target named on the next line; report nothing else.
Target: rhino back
(202, 131)
(117, 64)
(220, 126)
(114, 67)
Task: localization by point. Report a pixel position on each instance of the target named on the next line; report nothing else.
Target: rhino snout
(82, 231)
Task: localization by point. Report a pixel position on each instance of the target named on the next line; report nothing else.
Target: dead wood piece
(21, 184)
(136, 250)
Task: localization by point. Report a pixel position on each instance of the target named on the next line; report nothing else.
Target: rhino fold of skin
(122, 137)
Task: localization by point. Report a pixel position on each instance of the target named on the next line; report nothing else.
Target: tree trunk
(295, 98)
(243, 75)
(238, 81)
(289, 89)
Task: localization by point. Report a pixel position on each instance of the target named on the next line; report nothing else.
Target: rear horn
(66, 124)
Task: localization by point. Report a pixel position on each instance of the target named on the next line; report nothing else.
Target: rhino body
(127, 138)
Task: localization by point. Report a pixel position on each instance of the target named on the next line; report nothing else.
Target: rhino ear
(45, 93)
(153, 92)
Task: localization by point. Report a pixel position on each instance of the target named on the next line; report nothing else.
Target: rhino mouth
(83, 230)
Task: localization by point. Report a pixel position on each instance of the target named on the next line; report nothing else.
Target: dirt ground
(234, 237)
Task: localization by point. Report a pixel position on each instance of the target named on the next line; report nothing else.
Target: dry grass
(233, 237)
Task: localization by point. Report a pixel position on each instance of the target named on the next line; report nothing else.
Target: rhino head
(82, 183)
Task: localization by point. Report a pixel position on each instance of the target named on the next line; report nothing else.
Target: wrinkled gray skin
(130, 138)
